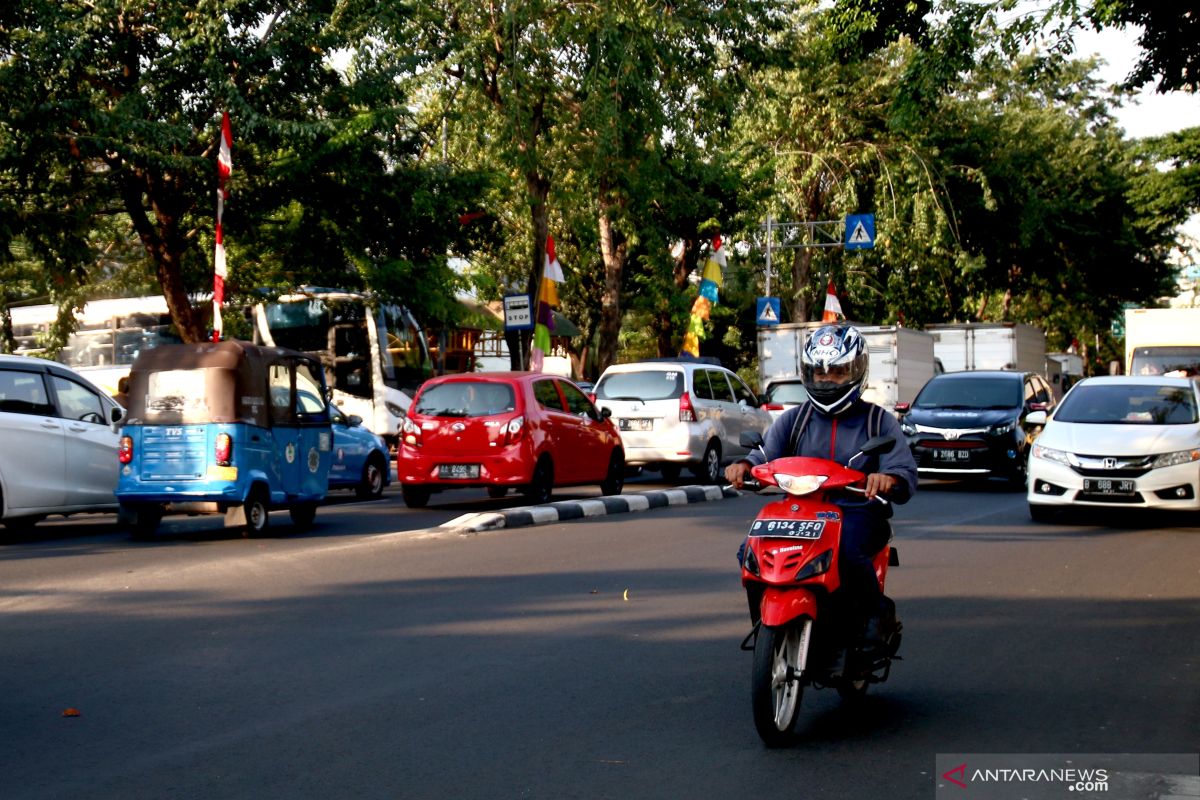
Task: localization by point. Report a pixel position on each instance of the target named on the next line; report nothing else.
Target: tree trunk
(614, 252)
(519, 342)
(801, 273)
(664, 322)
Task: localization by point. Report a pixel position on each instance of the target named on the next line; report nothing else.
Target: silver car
(676, 413)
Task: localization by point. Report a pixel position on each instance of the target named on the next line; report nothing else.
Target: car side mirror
(115, 416)
(1036, 418)
(605, 412)
(353, 420)
(751, 439)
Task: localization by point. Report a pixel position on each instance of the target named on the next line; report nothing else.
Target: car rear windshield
(465, 399)
(1128, 405)
(649, 384)
(787, 393)
(970, 393)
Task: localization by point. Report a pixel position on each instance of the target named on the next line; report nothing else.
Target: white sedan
(1119, 441)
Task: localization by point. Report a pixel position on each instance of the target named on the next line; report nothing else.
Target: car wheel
(497, 492)
(23, 524)
(1018, 479)
(257, 508)
(614, 481)
(670, 472)
(371, 485)
(415, 496)
(709, 468)
(542, 485)
(303, 515)
(1041, 513)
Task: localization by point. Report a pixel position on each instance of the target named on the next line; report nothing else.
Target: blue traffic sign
(768, 311)
(860, 231)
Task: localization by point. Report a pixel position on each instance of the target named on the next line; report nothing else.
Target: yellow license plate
(222, 473)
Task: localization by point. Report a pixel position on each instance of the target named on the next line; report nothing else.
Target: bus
(375, 354)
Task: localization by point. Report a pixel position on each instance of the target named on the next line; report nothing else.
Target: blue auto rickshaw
(226, 427)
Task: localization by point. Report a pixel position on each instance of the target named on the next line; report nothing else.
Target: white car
(680, 412)
(58, 442)
(1119, 442)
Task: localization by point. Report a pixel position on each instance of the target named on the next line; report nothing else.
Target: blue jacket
(839, 437)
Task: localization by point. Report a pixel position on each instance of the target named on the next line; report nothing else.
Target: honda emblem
(1109, 463)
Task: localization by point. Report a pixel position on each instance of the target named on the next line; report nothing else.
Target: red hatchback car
(525, 430)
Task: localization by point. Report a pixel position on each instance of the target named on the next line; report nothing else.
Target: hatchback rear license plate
(635, 424)
(458, 471)
(948, 454)
(789, 528)
(1108, 486)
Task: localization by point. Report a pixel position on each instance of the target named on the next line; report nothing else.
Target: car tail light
(514, 430)
(224, 449)
(591, 396)
(125, 450)
(686, 412)
(773, 406)
(410, 433)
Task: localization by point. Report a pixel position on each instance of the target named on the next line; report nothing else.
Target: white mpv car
(58, 442)
(673, 413)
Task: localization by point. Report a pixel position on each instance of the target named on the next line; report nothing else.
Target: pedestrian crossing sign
(768, 311)
(860, 231)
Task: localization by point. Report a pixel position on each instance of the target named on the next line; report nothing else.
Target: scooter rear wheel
(775, 688)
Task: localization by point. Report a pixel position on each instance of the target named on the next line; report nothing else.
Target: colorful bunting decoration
(710, 284)
(552, 275)
(833, 306)
(224, 169)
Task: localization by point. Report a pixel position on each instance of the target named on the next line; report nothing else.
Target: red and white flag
(833, 307)
(224, 168)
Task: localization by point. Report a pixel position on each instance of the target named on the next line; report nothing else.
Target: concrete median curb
(564, 510)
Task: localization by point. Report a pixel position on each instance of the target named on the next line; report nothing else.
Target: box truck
(988, 345)
(1162, 340)
(901, 359)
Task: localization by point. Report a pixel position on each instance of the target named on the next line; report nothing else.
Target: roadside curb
(578, 509)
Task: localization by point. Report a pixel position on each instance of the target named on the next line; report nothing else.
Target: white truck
(901, 359)
(989, 345)
(1161, 340)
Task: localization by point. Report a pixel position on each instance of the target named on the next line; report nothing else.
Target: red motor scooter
(803, 634)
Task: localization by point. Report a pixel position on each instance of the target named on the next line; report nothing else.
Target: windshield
(971, 392)
(786, 393)
(465, 399)
(1161, 360)
(404, 353)
(1127, 404)
(651, 384)
(182, 396)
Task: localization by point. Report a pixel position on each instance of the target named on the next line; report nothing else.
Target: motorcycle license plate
(458, 471)
(789, 528)
(1108, 486)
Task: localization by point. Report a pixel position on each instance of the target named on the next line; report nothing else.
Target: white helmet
(833, 366)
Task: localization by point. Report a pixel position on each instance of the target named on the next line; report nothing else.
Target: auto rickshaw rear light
(514, 429)
(224, 450)
(686, 412)
(125, 450)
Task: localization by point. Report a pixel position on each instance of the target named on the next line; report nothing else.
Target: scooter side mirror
(750, 439)
(878, 444)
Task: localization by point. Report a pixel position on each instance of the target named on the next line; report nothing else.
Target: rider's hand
(736, 473)
(880, 483)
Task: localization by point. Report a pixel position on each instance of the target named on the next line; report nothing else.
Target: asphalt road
(589, 659)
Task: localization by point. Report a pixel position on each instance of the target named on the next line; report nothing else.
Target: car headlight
(908, 429)
(1172, 459)
(1000, 430)
(799, 484)
(1048, 454)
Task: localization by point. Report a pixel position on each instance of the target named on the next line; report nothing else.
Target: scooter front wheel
(775, 687)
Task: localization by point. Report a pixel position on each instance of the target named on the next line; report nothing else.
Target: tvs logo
(960, 771)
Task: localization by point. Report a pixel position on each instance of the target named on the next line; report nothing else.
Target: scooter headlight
(818, 566)
(799, 484)
(751, 561)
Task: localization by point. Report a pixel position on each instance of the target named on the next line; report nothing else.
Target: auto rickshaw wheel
(257, 508)
(303, 516)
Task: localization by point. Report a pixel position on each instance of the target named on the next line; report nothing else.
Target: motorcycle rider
(834, 423)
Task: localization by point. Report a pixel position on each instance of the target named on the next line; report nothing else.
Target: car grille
(1112, 466)
(952, 444)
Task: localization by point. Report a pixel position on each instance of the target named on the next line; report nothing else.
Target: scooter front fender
(781, 606)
